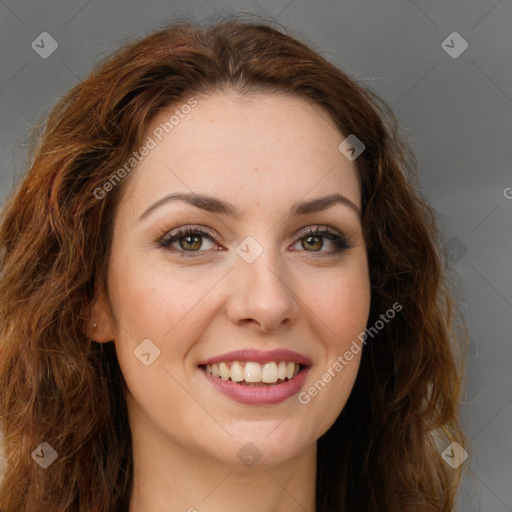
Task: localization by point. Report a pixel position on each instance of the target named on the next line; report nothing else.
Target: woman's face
(257, 282)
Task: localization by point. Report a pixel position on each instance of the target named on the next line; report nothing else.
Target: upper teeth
(253, 372)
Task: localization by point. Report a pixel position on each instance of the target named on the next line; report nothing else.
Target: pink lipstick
(257, 377)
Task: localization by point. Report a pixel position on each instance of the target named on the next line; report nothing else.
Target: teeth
(281, 370)
(224, 371)
(269, 372)
(237, 372)
(290, 370)
(251, 372)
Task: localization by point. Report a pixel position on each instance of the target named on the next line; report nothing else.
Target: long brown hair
(59, 387)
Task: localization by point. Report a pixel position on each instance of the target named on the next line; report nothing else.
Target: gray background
(456, 111)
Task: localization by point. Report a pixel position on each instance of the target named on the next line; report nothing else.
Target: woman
(221, 291)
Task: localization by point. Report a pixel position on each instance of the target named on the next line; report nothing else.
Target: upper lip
(259, 356)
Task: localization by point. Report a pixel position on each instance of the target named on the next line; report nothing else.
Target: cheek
(155, 299)
(340, 307)
(341, 304)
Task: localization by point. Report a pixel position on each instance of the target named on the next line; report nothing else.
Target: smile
(256, 377)
(251, 373)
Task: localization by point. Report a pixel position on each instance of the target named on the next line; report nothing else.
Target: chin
(260, 443)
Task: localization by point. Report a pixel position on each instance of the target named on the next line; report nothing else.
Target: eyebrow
(215, 205)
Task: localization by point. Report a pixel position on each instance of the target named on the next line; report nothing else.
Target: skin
(261, 153)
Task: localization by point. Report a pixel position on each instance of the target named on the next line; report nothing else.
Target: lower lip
(259, 395)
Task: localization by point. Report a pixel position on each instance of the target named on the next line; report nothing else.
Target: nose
(262, 294)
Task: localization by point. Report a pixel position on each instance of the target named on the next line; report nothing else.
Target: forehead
(260, 147)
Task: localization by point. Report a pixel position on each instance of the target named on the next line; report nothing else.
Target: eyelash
(335, 236)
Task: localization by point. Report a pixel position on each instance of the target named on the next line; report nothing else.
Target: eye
(190, 240)
(312, 239)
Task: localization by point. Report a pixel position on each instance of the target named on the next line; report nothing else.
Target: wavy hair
(58, 386)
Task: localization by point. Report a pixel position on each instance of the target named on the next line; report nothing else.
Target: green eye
(191, 240)
(313, 240)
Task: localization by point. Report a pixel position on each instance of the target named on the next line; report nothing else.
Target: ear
(98, 326)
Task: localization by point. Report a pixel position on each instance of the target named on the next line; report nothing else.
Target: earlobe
(98, 327)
